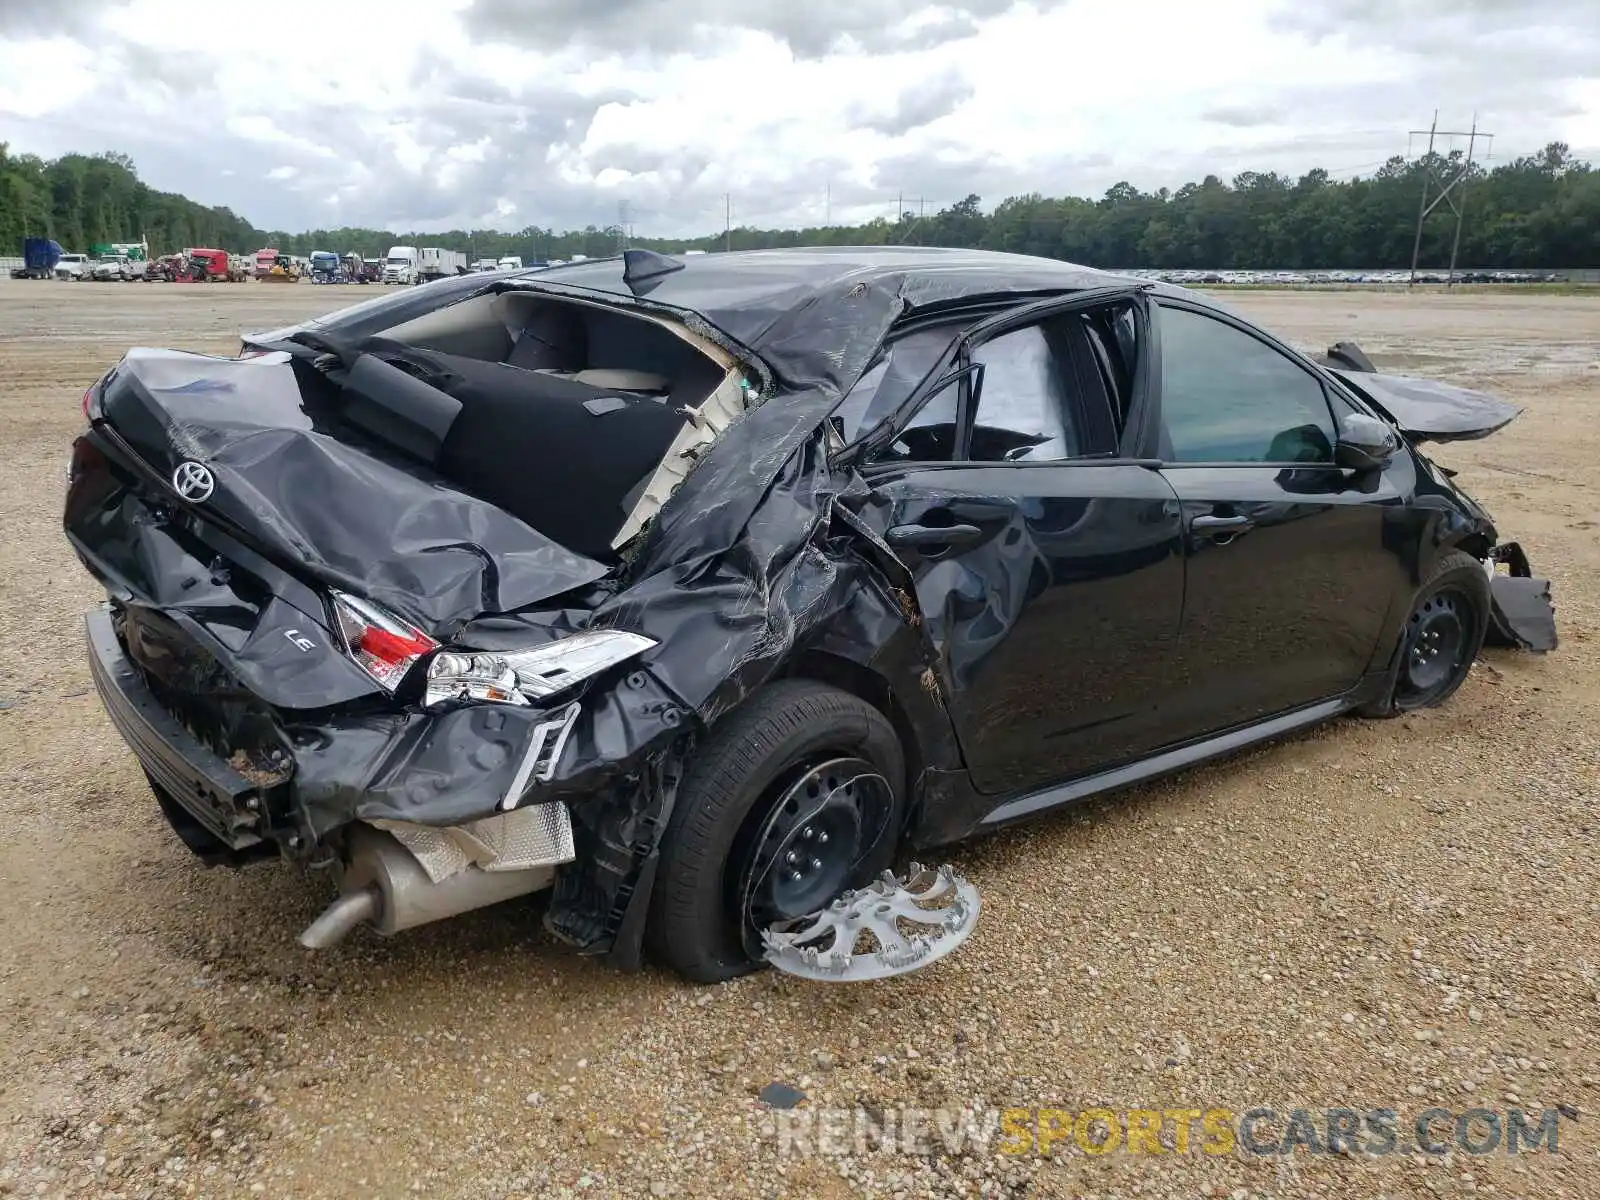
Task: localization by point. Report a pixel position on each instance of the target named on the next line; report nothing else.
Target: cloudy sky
(436, 114)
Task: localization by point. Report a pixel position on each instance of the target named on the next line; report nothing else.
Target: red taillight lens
(392, 647)
(88, 399)
(382, 644)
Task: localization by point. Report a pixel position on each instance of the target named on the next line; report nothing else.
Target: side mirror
(1365, 443)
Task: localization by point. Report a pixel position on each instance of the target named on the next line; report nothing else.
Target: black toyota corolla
(700, 593)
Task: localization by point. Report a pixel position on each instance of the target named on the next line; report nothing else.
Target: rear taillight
(94, 396)
(382, 645)
(85, 459)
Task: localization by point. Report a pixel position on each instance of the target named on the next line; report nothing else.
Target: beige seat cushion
(623, 380)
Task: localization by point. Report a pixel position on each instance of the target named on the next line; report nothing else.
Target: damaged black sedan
(699, 593)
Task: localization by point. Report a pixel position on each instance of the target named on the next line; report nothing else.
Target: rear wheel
(1441, 637)
(795, 797)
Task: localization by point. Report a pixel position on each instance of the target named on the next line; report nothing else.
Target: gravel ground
(1379, 915)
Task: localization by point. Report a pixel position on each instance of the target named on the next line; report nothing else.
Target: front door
(1289, 582)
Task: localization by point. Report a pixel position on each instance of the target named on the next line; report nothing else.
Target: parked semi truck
(39, 259)
(400, 265)
(435, 262)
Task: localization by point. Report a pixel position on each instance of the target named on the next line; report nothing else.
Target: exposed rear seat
(611, 349)
(560, 452)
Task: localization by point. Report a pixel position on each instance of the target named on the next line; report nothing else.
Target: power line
(1447, 187)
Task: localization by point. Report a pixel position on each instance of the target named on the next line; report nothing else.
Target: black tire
(732, 784)
(1453, 603)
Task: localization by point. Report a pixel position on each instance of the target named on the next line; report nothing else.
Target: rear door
(1048, 566)
(1290, 571)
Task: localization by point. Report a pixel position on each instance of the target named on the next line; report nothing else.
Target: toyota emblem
(194, 482)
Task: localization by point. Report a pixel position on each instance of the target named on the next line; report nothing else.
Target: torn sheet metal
(889, 928)
(285, 485)
(1521, 613)
(1427, 410)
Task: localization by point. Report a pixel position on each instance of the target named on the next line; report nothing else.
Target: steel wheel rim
(823, 821)
(1436, 645)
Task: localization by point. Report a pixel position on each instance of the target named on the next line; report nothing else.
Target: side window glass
(888, 382)
(1228, 397)
(1021, 415)
(930, 436)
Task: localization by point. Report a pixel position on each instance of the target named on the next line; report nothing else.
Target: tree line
(1539, 211)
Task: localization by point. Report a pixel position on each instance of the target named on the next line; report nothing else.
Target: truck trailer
(435, 262)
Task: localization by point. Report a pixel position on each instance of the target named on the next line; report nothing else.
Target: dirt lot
(1377, 915)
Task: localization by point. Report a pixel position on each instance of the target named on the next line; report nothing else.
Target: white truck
(73, 267)
(484, 266)
(510, 262)
(435, 262)
(115, 268)
(400, 265)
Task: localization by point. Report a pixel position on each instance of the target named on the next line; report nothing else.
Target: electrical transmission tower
(1447, 186)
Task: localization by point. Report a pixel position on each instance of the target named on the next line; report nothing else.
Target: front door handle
(1223, 524)
(924, 536)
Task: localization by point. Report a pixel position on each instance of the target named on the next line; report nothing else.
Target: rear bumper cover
(185, 771)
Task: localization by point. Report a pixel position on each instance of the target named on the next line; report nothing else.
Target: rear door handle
(932, 535)
(1223, 524)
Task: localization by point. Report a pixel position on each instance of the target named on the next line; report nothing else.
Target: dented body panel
(1427, 410)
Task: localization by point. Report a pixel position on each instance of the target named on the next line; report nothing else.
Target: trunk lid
(239, 448)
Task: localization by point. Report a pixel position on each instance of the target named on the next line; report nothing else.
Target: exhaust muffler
(385, 885)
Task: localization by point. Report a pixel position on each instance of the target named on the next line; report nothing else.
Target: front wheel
(794, 798)
(1442, 636)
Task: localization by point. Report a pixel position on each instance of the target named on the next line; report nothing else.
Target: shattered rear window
(890, 381)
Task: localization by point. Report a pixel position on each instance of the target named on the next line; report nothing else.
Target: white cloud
(489, 112)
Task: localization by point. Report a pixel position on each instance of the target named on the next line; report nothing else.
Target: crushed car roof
(744, 292)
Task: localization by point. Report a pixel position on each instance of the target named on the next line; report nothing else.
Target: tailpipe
(386, 887)
(340, 917)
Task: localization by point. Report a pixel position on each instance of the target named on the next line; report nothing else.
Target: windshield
(398, 260)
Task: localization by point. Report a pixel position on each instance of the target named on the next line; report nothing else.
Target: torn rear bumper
(1521, 613)
(429, 784)
(210, 805)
